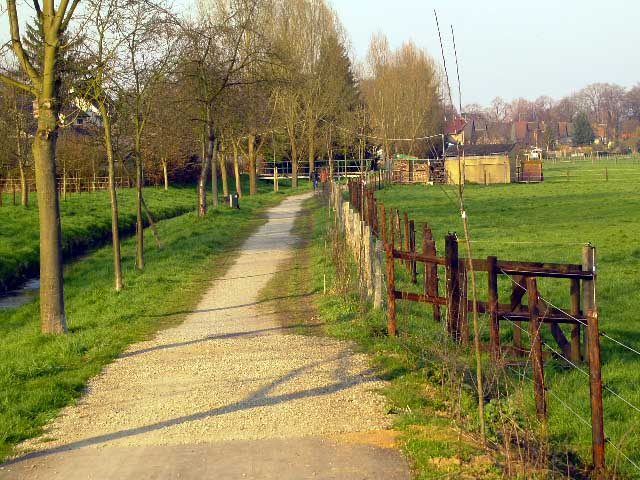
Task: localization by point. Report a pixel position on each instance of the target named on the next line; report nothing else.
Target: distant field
(550, 221)
(86, 222)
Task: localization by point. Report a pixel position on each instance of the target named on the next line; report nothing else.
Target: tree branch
(16, 83)
(16, 43)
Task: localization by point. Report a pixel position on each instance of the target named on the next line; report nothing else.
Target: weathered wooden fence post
(412, 249)
(453, 286)
(588, 289)
(575, 328)
(595, 388)
(379, 277)
(494, 321)
(382, 224)
(430, 269)
(391, 287)
(463, 322)
(536, 347)
(407, 239)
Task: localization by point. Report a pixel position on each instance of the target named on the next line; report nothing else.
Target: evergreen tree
(582, 131)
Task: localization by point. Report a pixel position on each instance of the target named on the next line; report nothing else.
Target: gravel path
(228, 383)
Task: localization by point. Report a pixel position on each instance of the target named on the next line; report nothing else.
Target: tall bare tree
(44, 82)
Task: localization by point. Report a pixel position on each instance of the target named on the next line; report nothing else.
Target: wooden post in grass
(575, 329)
(517, 292)
(382, 224)
(430, 269)
(398, 229)
(453, 286)
(463, 322)
(536, 347)
(595, 389)
(606, 174)
(494, 321)
(412, 249)
(391, 287)
(588, 289)
(407, 239)
(379, 282)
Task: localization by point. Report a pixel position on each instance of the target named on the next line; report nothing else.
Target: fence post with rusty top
(536, 347)
(494, 321)
(430, 269)
(407, 239)
(412, 249)
(453, 286)
(575, 329)
(463, 315)
(382, 224)
(391, 287)
(588, 289)
(595, 388)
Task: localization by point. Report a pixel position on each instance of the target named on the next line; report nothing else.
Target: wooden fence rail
(68, 184)
(399, 241)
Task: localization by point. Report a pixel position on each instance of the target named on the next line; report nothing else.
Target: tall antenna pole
(455, 51)
(444, 60)
(467, 241)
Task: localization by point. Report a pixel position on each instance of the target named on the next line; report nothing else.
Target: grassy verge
(550, 222)
(415, 394)
(39, 375)
(86, 223)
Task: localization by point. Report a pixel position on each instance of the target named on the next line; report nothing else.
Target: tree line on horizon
(607, 104)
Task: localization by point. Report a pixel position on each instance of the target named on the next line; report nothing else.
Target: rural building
(482, 163)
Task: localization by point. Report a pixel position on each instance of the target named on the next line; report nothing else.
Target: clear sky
(507, 48)
(511, 48)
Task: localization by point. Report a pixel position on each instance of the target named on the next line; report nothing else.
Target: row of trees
(603, 103)
(236, 83)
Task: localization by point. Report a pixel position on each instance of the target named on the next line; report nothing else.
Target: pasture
(550, 221)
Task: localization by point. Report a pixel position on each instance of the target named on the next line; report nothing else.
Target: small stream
(20, 296)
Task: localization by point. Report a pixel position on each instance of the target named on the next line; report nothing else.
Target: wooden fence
(397, 233)
(69, 185)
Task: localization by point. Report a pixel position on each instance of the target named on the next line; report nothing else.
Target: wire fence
(388, 227)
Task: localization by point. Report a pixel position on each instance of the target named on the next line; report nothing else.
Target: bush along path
(229, 393)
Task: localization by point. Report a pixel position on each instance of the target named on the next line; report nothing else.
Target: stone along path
(227, 394)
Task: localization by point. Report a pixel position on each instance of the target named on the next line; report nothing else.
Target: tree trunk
(202, 179)
(165, 174)
(312, 152)
(253, 189)
(236, 170)
(52, 314)
(24, 188)
(64, 180)
(202, 187)
(139, 223)
(115, 233)
(294, 164)
(212, 147)
(223, 174)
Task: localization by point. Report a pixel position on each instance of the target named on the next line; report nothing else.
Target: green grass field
(550, 222)
(86, 222)
(39, 375)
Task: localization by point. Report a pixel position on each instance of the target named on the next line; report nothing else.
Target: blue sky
(511, 48)
(506, 48)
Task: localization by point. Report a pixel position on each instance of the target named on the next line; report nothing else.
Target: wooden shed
(482, 164)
